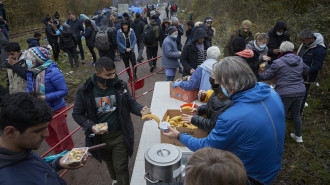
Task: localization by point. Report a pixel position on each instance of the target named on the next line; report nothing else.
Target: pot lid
(163, 154)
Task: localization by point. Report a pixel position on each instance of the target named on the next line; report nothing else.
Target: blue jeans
(5, 32)
(294, 103)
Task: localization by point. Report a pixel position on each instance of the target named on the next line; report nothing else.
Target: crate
(197, 133)
(180, 94)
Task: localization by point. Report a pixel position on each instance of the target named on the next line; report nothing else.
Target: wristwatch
(179, 136)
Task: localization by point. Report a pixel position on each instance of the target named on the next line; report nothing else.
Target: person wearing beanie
(68, 44)
(152, 48)
(209, 29)
(176, 23)
(171, 54)
(126, 41)
(126, 17)
(243, 32)
(278, 34)
(251, 57)
(45, 78)
(138, 27)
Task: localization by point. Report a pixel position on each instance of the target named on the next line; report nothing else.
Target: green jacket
(155, 29)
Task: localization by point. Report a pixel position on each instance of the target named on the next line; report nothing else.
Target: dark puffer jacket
(275, 40)
(228, 49)
(138, 26)
(189, 54)
(90, 36)
(50, 33)
(67, 40)
(288, 72)
(212, 110)
(84, 113)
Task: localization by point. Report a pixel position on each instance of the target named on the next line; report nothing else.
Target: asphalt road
(94, 172)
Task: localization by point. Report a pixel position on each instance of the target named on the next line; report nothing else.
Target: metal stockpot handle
(146, 178)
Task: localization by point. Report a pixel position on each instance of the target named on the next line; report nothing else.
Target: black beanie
(238, 44)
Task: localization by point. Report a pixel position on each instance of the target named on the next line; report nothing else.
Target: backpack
(102, 39)
(148, 35)
(174, 8)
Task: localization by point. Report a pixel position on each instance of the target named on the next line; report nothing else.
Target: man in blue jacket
(313, 52)
(24, 125)
(253, 128)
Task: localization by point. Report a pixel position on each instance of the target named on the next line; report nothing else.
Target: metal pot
(163, 164)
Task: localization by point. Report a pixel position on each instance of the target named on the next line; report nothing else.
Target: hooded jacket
(155, 30)
(200, 78)
(67, 39)
(313, 56)
(288, 72)
(262, 52)
(163, 33)
(275, 40)
(253, 129)
(228, 49)
(111, 33)
(189, 54)
(90, 36)
(138, 27)
(27, 168)
(171, 53)
(84, 113)
(33, 42)
(211, 110)
(121, 38)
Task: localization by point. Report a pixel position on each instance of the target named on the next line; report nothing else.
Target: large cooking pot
(163, 164)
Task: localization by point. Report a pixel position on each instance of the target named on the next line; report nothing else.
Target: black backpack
(148, 35)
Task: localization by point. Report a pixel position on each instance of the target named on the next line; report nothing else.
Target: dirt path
(94, 172)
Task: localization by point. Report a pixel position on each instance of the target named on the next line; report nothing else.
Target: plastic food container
(102, 126)
(164, 126)
(75, 156)
(189, 105)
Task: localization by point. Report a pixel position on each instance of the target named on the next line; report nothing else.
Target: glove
(176, 84)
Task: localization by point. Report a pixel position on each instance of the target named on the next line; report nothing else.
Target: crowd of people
(245, 118)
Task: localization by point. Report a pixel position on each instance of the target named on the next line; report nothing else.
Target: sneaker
(83, 61)
(114, 182)
(298, 139)
(117, 59)
(152, 68)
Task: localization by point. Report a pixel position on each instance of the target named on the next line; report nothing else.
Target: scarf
(40, 78)
(282, 54)
(255, 46)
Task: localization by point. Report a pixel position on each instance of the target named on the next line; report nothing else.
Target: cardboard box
(180, 94)
(198, 133)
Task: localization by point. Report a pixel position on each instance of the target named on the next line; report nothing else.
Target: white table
(150, 136)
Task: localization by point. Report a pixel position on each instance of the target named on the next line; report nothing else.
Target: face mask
(175, 36)
(225, 92)
(262, 46)
(29, 64)
(279, 33)
(212, 82)
(105, 82)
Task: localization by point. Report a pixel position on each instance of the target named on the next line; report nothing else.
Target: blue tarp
(136, 9)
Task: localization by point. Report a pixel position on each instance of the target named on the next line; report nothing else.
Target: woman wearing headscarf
(45, 78)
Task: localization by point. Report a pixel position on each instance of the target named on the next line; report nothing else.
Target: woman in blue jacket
(200, 78)
(45, 79)
(253, 128)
